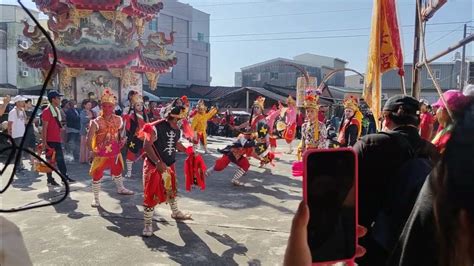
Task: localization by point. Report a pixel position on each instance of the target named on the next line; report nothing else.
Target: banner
(385, 53)
(301, 87)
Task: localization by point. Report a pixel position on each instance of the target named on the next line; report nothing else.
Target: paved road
(232, 225)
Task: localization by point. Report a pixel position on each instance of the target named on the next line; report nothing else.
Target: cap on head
(19, 98)
(407, 104)
(53, 94)
(425, 102)
(455, 99)
(469, 90)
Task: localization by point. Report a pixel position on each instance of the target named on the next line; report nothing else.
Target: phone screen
(331, 197)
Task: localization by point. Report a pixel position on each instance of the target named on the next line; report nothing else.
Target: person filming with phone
(393, 165)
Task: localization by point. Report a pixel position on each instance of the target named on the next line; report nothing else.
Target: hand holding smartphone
(330, 191)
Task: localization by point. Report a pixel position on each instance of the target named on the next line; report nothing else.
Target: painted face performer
(161, 142)
(238, 154)
(199, 124)
(351, 128)
(290, 122)
(313, 132)
(105, 140)
(134, 121)
(260, 131)
(184, 123)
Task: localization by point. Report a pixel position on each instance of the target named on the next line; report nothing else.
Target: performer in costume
(199, 124)
(271, 117)
(184, 123)
(161, 142)
(238, 154)
(136, 118)
(105, 139)
(313, 132)
(351, 128)
(290, 122)
(260, 133)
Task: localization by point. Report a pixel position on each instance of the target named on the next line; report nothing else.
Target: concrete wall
(275, 73)
(191, 43)
(354, 81)
(315, 60)
(447, 77)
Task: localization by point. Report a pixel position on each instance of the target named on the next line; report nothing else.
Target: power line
(292, 32)
(292, 14)
(221, 4)
(290, 38)
(324, 30)
(444, 36)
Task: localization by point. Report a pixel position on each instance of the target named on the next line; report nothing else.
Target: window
(273, 75)
(153, 24)
(361, 81)
(436, 74)
(200, 36)
(256, 77)
(83, 22)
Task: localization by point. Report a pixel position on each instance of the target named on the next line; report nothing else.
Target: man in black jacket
(73, 122)
(380, 157)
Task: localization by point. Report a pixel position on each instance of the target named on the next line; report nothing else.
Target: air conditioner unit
(24, 73)
(23, 44)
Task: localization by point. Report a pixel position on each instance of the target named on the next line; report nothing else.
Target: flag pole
(403, 87)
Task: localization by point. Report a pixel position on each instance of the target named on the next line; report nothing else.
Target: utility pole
(415, 88)
(463, 59)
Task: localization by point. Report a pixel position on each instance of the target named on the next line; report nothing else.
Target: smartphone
(330, 191)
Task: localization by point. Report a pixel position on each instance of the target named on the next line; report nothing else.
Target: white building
(354, 81)
(191, 43)
(14, 72)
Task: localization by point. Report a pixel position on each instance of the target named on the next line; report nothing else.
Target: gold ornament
(351, 102)
(152, 79)
(260, 102)
(108, 96)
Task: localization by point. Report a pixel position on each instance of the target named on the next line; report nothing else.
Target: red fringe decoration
(194, 170)
(146, 131)
(187, 130)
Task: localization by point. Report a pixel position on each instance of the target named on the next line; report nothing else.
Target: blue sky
(309, 24)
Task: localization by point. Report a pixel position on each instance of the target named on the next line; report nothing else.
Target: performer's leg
(273, 143)
(290, 150)
(195, 141)
(204, 142)
(95, 189)
(244, 166)
(148, 220)
(151, 181)
(96, 172)
(116, 172)
(220, 165)
(175, 212)
(129, 162)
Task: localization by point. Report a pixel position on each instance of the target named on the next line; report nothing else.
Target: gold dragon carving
(152, 79)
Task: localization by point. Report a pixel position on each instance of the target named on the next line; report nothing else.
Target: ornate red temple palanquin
(100, 44)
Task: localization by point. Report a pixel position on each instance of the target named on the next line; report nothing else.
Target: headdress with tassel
(260, 102)
(108, 96)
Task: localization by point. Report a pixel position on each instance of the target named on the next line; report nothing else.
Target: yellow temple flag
(385, 53)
